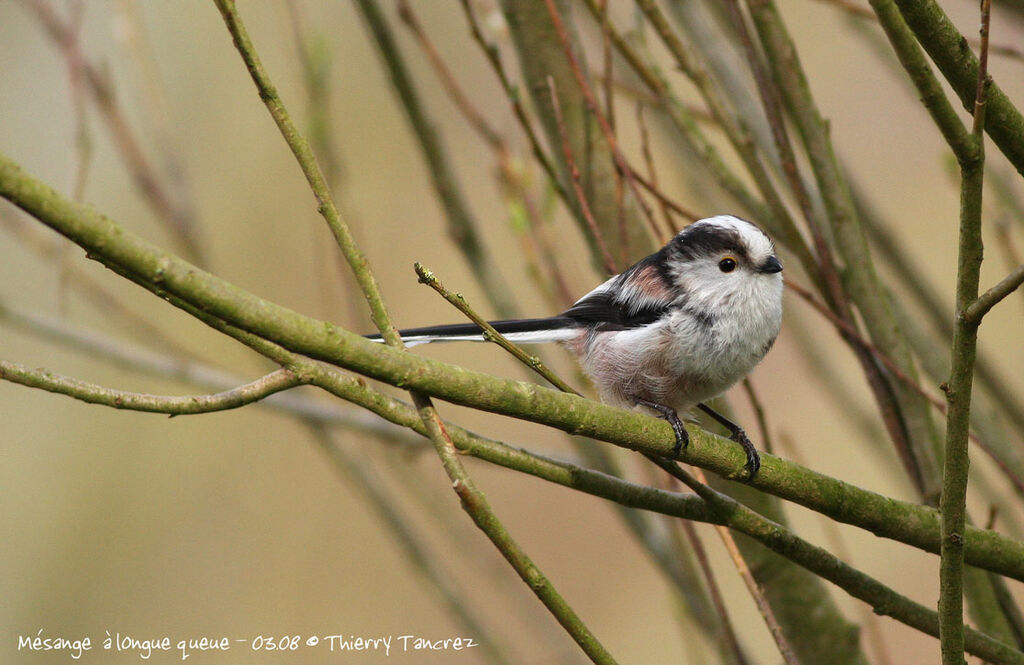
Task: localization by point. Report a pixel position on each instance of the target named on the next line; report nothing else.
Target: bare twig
(515, 99)
(859, 11)
(402, 528)
(92, 393)
(714, 590)
(986, 301)
(463, 226)
(475, 504)
(489, 333)
(645, 150)
(461, 100)
(759, 413)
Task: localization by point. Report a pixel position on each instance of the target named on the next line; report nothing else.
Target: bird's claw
(753, 464)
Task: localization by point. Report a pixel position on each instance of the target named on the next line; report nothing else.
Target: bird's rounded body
(714, 327)
(673, 330)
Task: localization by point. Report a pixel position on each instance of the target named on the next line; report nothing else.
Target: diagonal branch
(165, 274)
(310, 168)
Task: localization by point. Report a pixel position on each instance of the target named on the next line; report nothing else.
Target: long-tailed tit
(673, 330)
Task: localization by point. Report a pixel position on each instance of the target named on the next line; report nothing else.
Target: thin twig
(477, 121)
(140, 326)
(857, 338)
(83, 139)
(666, 200)
(861, 12)
(759, 414)
(476, 505)
(462, 102)
(489, 333)
(537, 235)
(622, 166)
(92, 393)
(417, 551)
(714, 591)
(645, 150)
(986, 301)
(699, 485)
(515, 99)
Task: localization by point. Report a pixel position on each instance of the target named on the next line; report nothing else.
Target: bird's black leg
(737, 434)
(669, 414)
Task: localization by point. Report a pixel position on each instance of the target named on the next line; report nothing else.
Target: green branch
(164, 273)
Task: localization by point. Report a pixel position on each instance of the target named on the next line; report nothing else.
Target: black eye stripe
(707, 240)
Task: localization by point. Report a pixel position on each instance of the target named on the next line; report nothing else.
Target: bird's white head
(724, 263)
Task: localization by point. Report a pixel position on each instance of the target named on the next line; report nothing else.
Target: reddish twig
(622, 166)
(574, 176)
(645, 150)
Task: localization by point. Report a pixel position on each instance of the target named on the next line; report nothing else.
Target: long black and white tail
(521, 331)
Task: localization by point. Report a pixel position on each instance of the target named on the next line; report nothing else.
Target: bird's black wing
(603, 310)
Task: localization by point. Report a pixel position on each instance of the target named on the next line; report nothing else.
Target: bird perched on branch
(673, 330)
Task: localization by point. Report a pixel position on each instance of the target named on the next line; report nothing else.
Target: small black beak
(771, 265)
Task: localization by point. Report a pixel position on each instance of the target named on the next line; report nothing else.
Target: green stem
(993, 296)
(958, 393)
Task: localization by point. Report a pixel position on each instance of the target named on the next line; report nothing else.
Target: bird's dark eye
(728, 264)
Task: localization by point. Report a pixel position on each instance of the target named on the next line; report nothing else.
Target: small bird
(673, 330)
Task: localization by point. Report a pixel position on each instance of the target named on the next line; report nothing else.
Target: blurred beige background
(235, 524)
